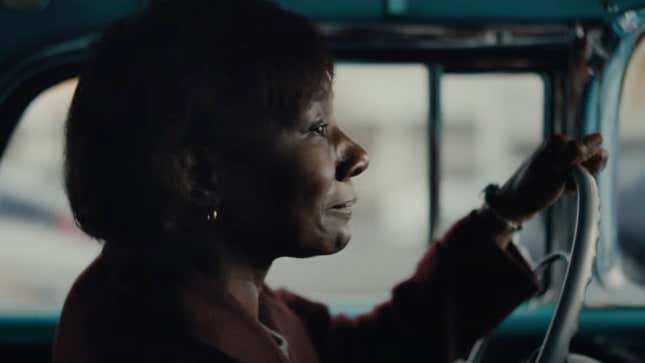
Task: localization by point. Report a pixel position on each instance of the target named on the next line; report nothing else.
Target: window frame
(608, 86)
(25, 80)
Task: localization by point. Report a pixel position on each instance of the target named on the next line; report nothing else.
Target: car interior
(446, 95)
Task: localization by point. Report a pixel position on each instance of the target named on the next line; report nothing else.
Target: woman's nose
(353, 159)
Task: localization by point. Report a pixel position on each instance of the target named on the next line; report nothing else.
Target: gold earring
(212, 216)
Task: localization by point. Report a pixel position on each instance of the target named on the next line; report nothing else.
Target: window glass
(42, 250)
(385, 109)
(382, 105)
(631, 168)
(491, 123)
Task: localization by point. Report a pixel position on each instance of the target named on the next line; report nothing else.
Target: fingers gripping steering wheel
(564, 324)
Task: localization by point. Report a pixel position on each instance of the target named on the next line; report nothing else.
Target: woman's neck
(238, 277)
(245, 285)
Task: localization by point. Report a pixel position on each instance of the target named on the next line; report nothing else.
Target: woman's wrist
(499, 213)
(502, 232)
(503, 205)
(506, 223)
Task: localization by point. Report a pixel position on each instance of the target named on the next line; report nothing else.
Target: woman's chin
(336, 243)
(342, 240)
(325, 246)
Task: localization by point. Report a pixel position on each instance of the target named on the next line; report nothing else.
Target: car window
(491, 123)
(631, 168)
(43, 250)
(376, 105)
(384, 107)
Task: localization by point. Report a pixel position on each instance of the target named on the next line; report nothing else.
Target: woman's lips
(343, 209)
(344, 213)
(344, 205)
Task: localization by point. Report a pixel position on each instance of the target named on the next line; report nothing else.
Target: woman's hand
(544, 177)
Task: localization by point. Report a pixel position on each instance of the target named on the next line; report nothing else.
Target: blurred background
(491, 122)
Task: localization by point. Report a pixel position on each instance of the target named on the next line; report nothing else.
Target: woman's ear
(201, 167)
(190, 177)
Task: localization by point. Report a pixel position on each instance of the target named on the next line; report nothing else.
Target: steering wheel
(564, 324)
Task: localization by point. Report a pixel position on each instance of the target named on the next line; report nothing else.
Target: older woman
(201, 146)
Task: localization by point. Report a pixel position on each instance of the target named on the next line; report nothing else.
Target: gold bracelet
(507, 223)
(488, 192)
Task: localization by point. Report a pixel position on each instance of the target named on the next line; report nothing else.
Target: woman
(201, 146)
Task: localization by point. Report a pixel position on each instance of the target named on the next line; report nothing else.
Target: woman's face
(294, 195)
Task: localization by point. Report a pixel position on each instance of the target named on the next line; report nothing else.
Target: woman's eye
(319, 128)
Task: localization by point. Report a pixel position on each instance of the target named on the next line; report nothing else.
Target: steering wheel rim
(564, 324)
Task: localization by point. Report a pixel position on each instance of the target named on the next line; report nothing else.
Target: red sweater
(462, 288)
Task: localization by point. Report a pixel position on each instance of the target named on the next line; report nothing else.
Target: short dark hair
(165, 87)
